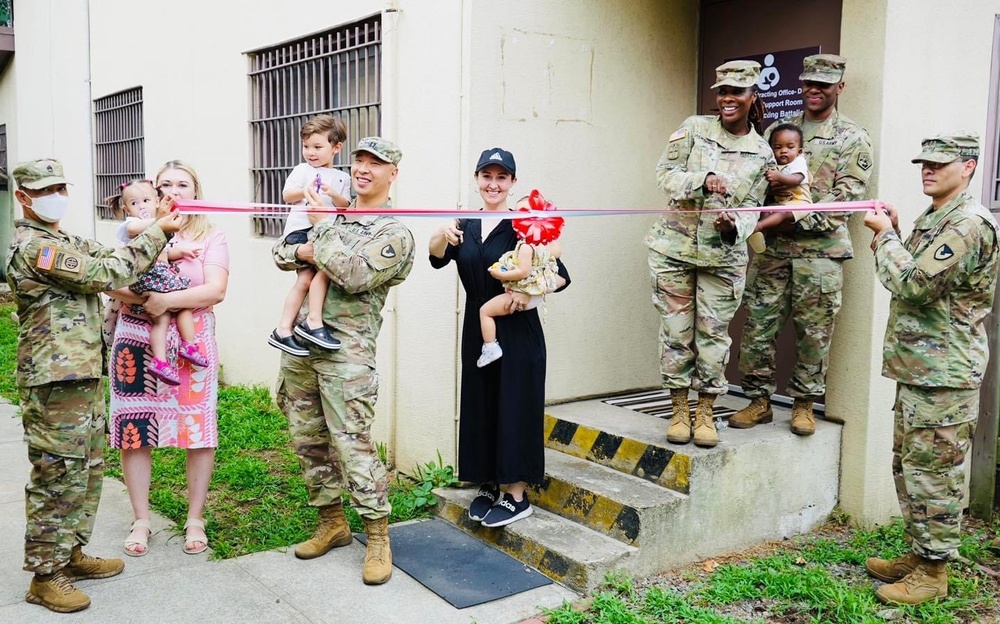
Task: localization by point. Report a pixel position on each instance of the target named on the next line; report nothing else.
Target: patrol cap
(497, 156)
(38, 174)
(946, 148)
(384, 149)
(827, 68)
(737, 74)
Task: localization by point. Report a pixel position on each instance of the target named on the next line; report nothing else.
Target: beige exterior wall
(471, 85)
(908, 78)
(583, 93)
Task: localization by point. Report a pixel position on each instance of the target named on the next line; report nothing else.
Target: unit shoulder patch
(864, 161)
(383, 254)
(945, 251)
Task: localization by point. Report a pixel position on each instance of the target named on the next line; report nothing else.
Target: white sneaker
(491, 353)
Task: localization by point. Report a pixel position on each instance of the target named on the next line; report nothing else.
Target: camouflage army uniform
(942, 282)
(697, 277)
(801, 273)
(329, 397)
(56, 279)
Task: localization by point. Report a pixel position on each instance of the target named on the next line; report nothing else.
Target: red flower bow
(538, 230)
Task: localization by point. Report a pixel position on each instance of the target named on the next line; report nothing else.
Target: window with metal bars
(4, 174)
(336, 71)
(119, 154)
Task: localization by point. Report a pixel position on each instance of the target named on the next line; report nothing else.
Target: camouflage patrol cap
(827, 68)
(382, 148)
(39, 174)
(946, 148)
(737, 74)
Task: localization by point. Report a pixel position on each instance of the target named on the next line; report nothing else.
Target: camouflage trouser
(64, 428)
(330, 408)
(695, 306)
(928, 464)
(807, 289)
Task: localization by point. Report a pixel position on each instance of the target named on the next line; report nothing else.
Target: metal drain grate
(657, 403)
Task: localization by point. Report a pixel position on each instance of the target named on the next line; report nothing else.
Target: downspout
(464, 123)
(390, 57)
(90, 126)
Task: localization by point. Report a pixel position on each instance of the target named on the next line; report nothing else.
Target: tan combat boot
(929, 580)
(332, 532)
(82, 566)
(757, 413)
(679, 430)
(56, 593)
(892, 570)
(704, 422)
(803, 420)
(378, 556)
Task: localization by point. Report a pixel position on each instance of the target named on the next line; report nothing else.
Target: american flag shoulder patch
(46, 258)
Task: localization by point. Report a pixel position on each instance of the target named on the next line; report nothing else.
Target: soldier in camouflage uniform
(801, 274)
(329, 397)
(57, 279)
(942, 281)
(697, 260)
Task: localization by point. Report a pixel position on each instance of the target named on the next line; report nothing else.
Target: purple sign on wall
(779, 87)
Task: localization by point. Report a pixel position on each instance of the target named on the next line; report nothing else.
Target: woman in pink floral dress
(146, 413)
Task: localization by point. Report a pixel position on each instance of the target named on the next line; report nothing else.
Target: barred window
(338, 72)
(4, 174)
(119, 154)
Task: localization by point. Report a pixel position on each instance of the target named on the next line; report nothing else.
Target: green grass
(816, 578)
(257, 499)
(8, 354)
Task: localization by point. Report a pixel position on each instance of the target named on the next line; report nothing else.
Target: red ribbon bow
(538, 230)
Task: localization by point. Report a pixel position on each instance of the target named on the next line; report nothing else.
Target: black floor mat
(457, 566)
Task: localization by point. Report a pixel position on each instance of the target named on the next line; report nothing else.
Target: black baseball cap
(497, 156)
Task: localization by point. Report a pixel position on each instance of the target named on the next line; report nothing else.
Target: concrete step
(627, 508)
(756, 485)
(572, 554)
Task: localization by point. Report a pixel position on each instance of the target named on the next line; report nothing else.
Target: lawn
(814, 578)
(257, 499)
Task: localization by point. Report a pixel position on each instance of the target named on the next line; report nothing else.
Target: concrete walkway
(169, 586)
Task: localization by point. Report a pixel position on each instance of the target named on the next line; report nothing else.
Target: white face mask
(50, 208)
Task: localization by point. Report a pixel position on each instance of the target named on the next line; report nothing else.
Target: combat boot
(332, 532)
(803, 420)
(82, 566)
(892, 570)
(757, 413)
(704, 422)
(679, 430)
(56, 593)
(929, 580)
(378, 556)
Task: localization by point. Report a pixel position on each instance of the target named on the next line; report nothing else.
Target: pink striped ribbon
(195, 206)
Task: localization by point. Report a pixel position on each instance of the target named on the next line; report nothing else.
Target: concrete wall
(583, 93)
(907, 79)
(44, 97)
(608, 84)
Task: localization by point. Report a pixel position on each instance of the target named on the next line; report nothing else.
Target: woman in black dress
(500, 433)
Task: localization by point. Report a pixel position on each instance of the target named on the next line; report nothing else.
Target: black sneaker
(486, 498)
(507, 510)
(288, 344)
(319, 336)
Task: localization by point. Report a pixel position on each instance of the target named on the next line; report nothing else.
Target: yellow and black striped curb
(572, 574)
(597, 512)
(648, 461)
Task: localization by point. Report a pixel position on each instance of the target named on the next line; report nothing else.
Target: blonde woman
(146, 413)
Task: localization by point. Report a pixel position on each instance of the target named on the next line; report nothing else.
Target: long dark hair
(756, 114)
